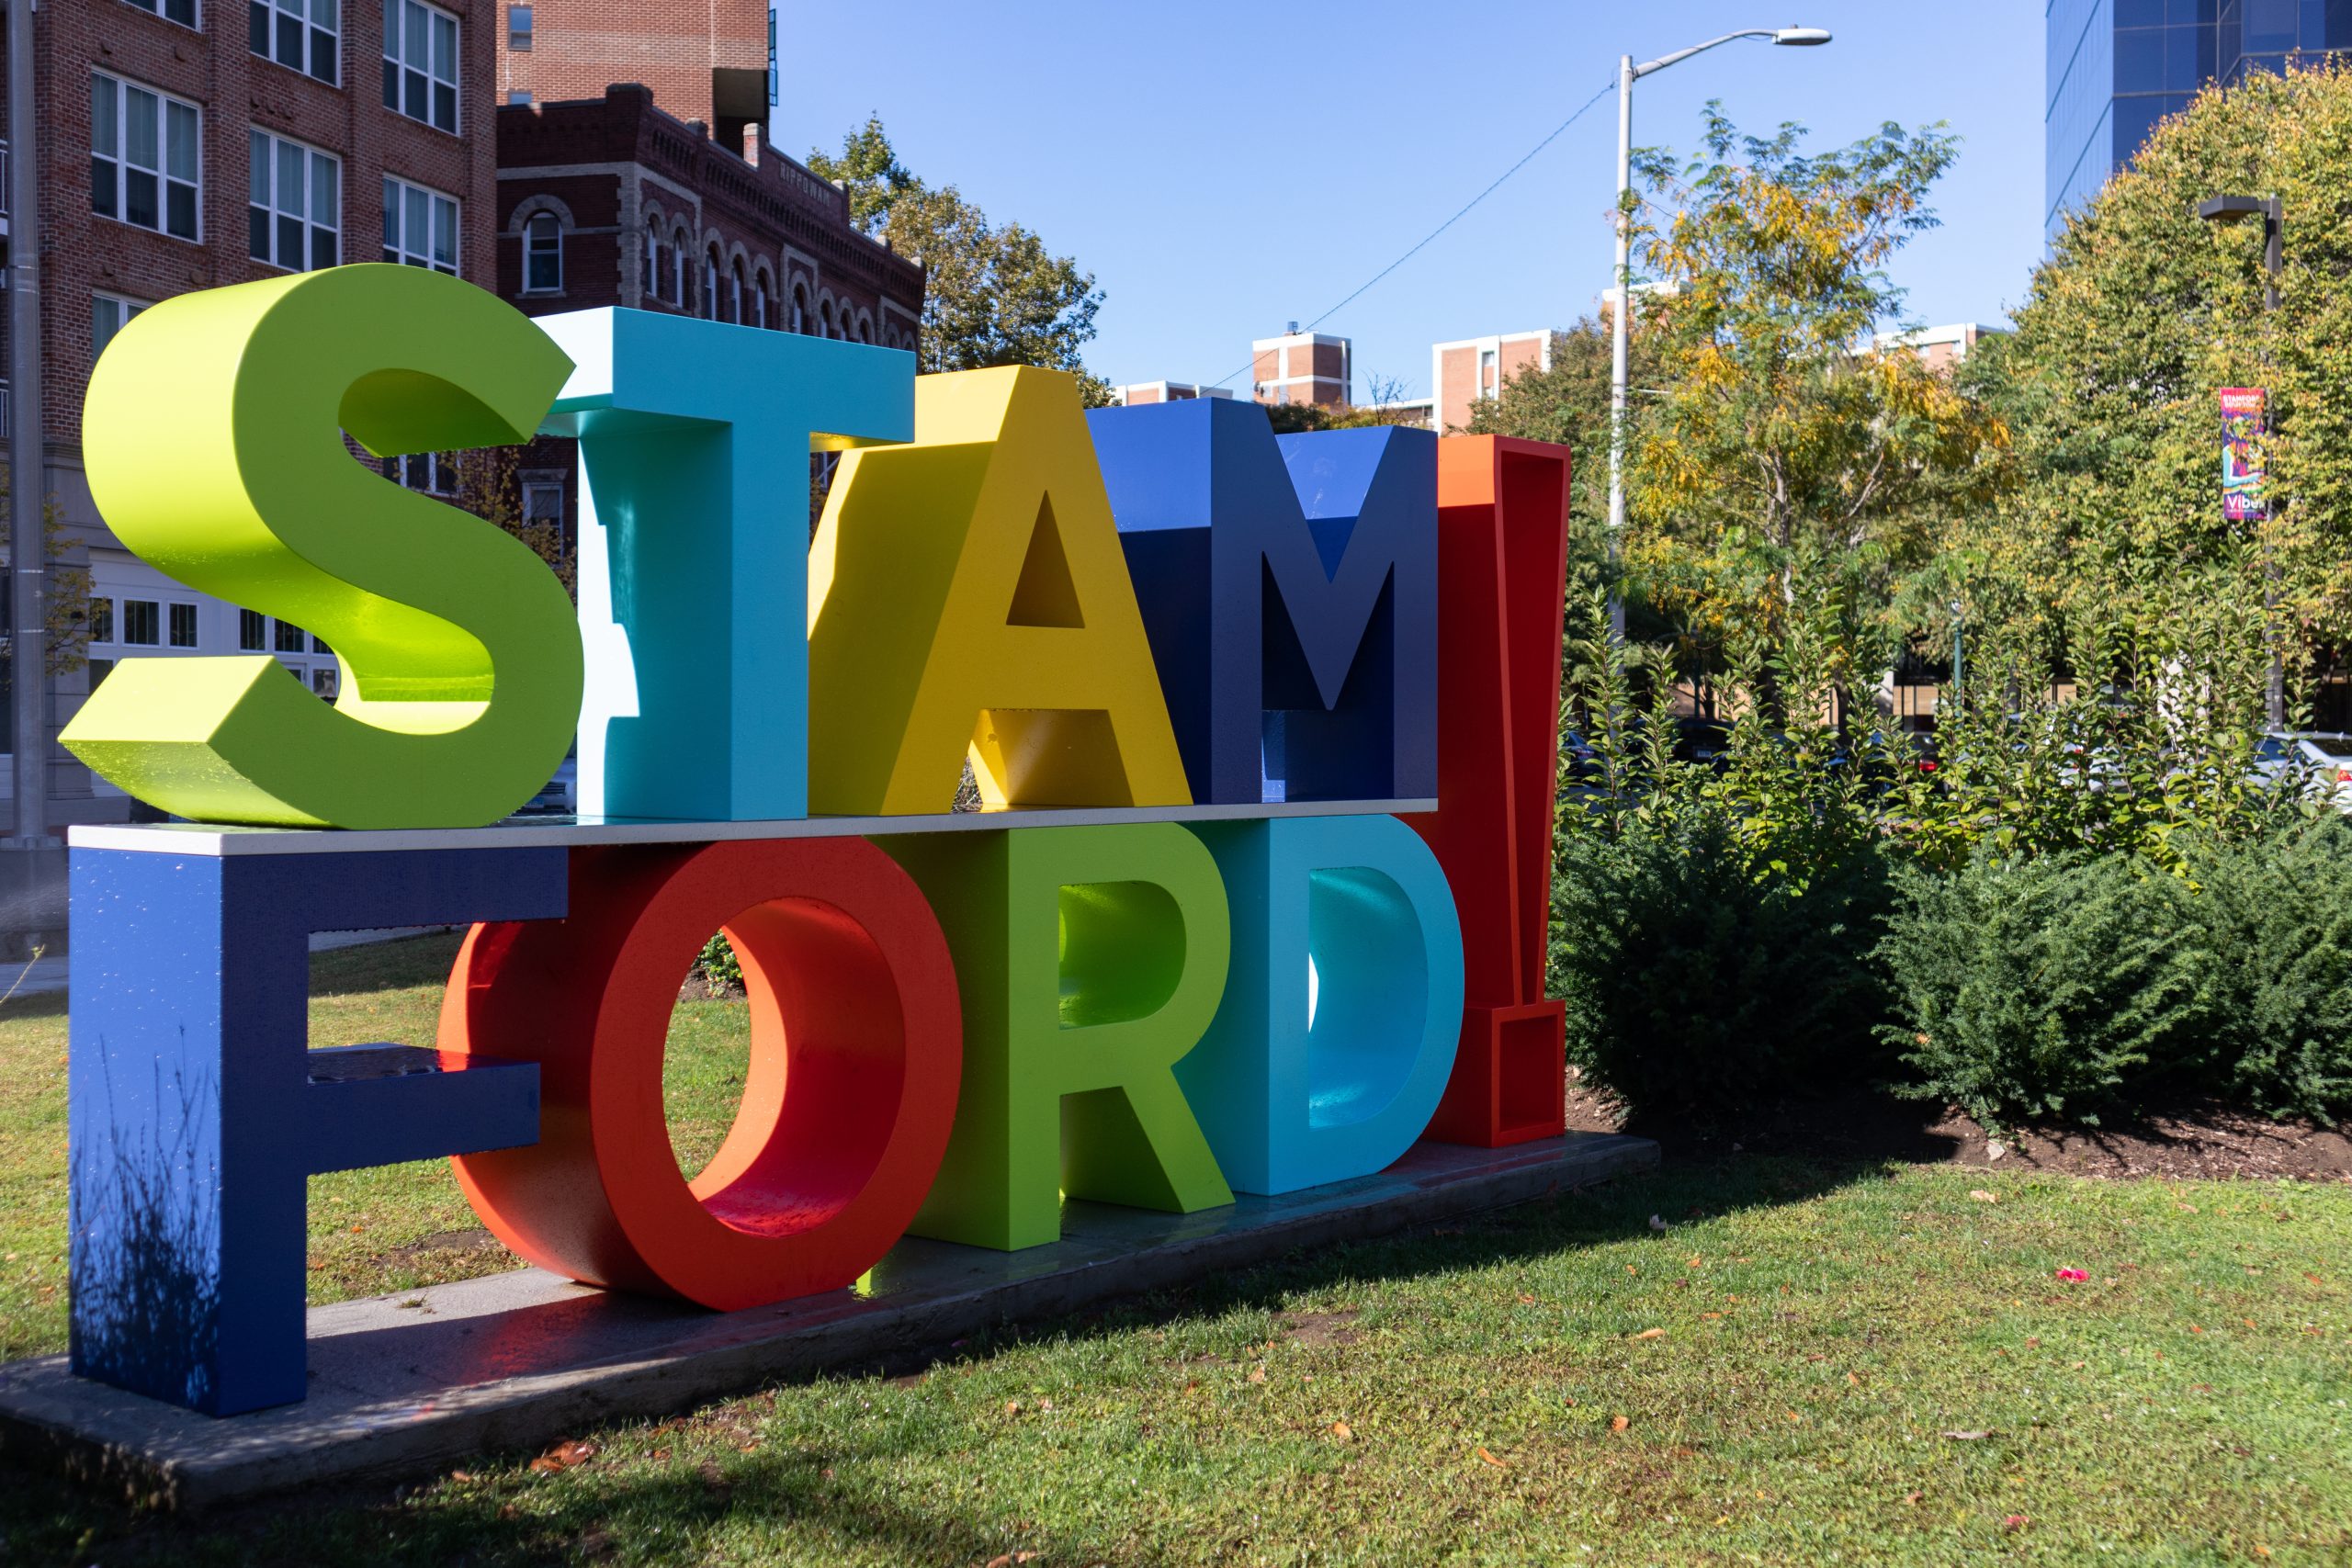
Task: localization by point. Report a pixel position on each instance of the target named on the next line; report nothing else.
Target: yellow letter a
(966, 594)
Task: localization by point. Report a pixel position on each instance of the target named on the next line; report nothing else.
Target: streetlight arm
(1680, 55)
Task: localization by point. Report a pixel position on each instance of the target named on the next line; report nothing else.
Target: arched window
(678, 269)
(646, 285)
(710, 283)
(799, 311)
(759, 299)
(825, 320)
(735, 293)
(543, 254)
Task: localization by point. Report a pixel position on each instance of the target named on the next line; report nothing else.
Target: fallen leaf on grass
(2076, 1276)
(1619, 1423)
(1852, 1379)
(1012, 1559)
(1012, 1407)
(1650, 1334)
(1968, 1437)
(1912, 1498)
(1707, 1315)
(1490, 1459)
(563, 1456)
(1983, 1197)
(1342, 1431)
(1526, 1300)
(1256, 1375)
(2014, 1522)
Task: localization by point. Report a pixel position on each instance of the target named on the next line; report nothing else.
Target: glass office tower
(2116, 67)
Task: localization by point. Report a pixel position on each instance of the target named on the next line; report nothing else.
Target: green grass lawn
(1809, 1365)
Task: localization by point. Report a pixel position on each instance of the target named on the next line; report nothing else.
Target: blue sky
(1224, 167)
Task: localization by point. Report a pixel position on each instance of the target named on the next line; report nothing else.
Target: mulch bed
(1867, 1125)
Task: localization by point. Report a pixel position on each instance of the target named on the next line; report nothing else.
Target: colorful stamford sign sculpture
(1264, 729)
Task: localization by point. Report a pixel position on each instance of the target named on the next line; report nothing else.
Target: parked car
(2316, 762)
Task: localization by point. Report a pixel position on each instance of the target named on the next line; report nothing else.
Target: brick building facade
(1302, 368)
(191, 143)
(707, 62)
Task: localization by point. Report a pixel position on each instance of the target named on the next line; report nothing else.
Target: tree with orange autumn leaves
(1787, 471)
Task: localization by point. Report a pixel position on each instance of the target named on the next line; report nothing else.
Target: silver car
(2318, 762)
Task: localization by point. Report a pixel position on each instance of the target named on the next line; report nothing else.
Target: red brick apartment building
(1302, 368)
(707, 62)
(190, 143)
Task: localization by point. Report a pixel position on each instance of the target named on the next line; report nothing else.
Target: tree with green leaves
(1785, 470)
(993, 293)
(2140, 316)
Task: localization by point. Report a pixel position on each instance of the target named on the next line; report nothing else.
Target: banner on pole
(2245, 463)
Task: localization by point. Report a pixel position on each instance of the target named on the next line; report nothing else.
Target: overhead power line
(1527, 158)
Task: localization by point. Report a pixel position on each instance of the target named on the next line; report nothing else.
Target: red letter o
(857, 1057)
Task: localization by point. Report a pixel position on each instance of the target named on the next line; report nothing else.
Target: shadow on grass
(477, 1523)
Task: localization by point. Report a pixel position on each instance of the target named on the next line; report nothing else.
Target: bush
(2274, 926)
(2026, 990)
(718, 968)
(1691, 983)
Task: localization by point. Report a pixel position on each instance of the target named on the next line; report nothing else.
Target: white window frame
(540, 489)
(125, 308)
(172, 608)
(162, 8)
(401, 205)
(119, 92)
(123, 629)
(317, 31)
(111, 625)
(440, 474)
(532, 247)
(271, 168)
(258, 618)
(411, 27)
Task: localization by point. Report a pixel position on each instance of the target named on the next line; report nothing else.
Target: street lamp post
(1627, 75)
(2273, 213)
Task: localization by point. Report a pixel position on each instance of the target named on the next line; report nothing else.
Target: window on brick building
(301, 35)
(650, 271)
(710, 283)
(543, 501)
(678, 269)
(431, 472)
(421, 62)
(518, 95)
(110, 313)
(518, 29)
(294, 217)
(180, 11)
(420, 227)
(759, 299)
(799, 312)
(735, 293)
(144, 167)
(543, 254)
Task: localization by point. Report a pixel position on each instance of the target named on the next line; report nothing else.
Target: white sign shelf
(541, 832)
